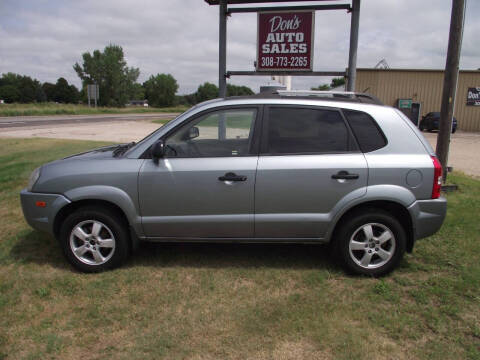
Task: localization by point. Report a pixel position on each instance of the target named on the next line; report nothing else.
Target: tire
(364, 254)
(94, 239)
(454, 130)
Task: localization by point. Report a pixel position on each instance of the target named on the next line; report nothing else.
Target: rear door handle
(345, 175)
(230, 176)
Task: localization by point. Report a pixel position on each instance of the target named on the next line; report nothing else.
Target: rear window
(366, 130)
(303, 130)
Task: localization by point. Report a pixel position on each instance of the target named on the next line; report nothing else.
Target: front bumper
(427, 216)
(41, 218)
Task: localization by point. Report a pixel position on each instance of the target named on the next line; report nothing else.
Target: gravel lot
(464, 148)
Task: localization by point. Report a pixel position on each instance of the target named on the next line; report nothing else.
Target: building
(424, 87)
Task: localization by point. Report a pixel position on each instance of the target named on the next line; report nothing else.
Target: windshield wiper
(120, 149)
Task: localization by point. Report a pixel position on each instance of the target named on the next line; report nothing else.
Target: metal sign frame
(93, 92)
(350, 74)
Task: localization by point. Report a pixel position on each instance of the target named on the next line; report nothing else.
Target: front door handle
(345, 175)
(230, 176)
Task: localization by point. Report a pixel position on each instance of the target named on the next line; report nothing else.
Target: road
(119, 128)
(29, 121)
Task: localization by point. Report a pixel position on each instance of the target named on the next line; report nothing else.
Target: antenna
(382, 64)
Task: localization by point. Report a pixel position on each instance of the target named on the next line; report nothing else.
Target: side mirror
(158, 150)
(193, 133)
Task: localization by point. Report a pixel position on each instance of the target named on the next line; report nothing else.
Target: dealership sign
(473, 96)
(285, 41)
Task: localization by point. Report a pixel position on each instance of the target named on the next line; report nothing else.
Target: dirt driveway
(464, 149)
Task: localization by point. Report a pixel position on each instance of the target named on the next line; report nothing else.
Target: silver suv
(280, 168)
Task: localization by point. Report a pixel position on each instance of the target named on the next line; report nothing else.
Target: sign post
(93, 93)
(285, 41)
(285, 38)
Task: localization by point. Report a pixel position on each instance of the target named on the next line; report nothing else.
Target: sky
(44, 39)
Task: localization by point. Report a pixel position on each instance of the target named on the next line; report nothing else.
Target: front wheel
(371, 242)
(94, 239)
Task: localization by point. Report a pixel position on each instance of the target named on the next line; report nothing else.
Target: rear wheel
(371, 242)
(94, 239)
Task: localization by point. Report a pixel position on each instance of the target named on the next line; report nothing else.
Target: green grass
(39, 109)
(233, 301)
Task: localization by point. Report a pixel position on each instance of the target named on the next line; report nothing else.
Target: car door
(204, 186)
(309, 162)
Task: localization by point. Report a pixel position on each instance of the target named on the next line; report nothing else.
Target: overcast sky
(44, 38)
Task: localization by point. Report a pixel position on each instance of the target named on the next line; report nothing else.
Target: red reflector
(41, 203)
(437, 178)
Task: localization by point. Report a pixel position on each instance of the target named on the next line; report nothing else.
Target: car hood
(100, 153)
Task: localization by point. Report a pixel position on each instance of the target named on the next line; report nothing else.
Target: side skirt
(239, 240)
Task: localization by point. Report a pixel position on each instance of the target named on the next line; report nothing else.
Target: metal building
(424, 89)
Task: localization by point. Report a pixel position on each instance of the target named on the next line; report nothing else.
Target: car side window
(366, 130)
(216, 134)
(306, 130)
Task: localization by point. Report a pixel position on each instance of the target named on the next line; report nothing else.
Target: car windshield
(146, 138)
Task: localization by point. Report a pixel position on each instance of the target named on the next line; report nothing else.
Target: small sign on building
(473, 96)
(404, 103)
(285, 41)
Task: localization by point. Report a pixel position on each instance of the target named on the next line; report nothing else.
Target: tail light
(437, 178)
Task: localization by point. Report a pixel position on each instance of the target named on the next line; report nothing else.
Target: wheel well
(73, 206)
(395, 209)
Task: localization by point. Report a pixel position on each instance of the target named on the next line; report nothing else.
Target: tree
(188, 99)
(160, 90)
(205, 92)
(323, 87)
(109, 70)
(62, 91)
(65, 93)
(136, 92)
(234, 90)
(9, 94)
(49, 90)
(336, 82)
(27, 89)
(74, 94)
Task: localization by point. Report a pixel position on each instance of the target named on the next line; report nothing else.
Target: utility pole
(450, 83)
(222, 49)
(352, 56)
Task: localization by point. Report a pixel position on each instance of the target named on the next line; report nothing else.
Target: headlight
(33, 178)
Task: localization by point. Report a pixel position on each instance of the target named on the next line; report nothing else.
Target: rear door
(309, 162)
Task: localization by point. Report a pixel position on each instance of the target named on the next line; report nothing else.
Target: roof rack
(351, 95)
(322, 95)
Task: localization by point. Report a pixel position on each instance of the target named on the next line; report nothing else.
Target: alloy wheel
(92, 242)
(372, 245)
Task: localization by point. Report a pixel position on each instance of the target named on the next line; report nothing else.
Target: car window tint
(218, 133)
(366, 130)
(301, 130)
